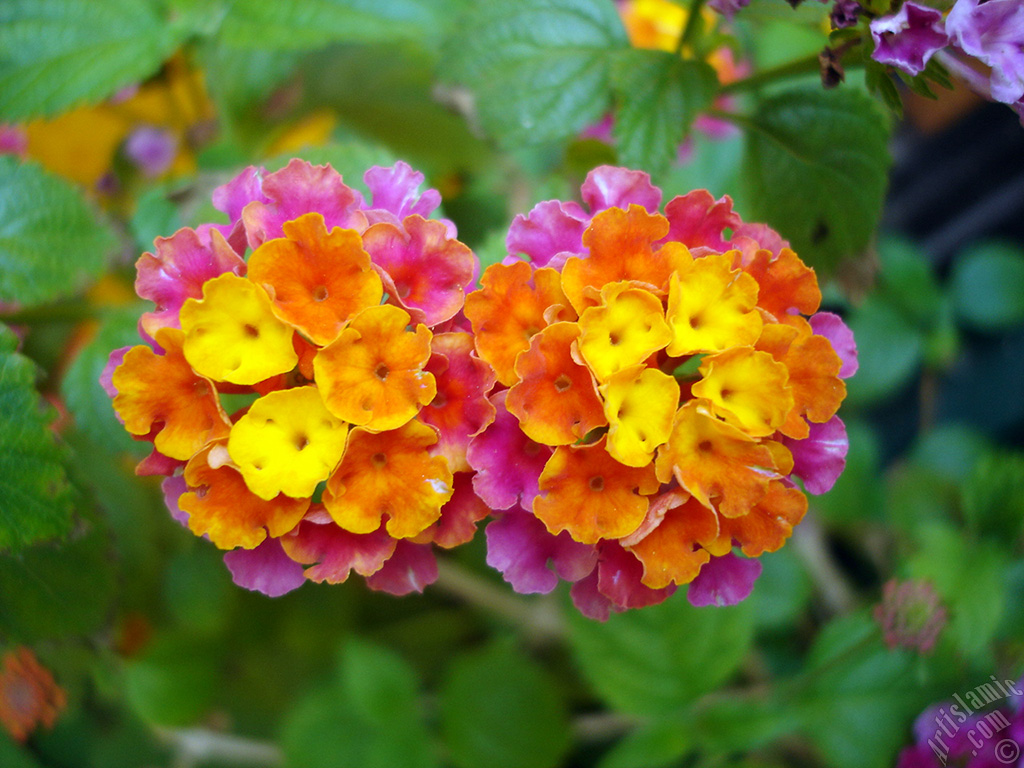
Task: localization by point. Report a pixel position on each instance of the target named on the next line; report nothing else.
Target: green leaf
(56, 54)
(174, 681)
(661, 658)
(659, 96)
(890, 351)
(500, 709)
(993, 497)
(51, 244)
(52, 592)
(540, 69)
(816, 166)
(857, 495)
(654, 744)
(909, 282)
(35, 497)
(272, 25)
(783, 590)
(88, 403)
(860, 697)
(368, 718)
(969, 577)
(987, 287)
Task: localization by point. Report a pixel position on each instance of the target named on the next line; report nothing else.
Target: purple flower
(151, 149)
(993, 32)
(728, 8)
(725, 580)
(906, 40)
(844, 13)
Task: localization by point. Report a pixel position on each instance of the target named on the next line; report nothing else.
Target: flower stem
(691, 26)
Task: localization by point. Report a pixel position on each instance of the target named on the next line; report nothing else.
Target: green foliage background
(166, 663)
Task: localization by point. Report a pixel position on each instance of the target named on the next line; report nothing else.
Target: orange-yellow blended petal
(711, 306)
(627, 328)
(592, 496)
(287, 442)
(767, 526)
(508, 310)
(813, 368)
(785, 284)
(220, 505)
(724, 468)
(373, 374)
(747, 389)
(389, 475)
(640, 404)
(317, 280)
(621, 247)
(231, 334)
(555, 400)
(163, 390)
(673, 553)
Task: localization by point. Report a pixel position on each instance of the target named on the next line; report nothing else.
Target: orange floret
(555, 400)
(621, 247)
(586, 492)
(813, 368)
(372, 375)
(221, 506)
(673, 553)
(389, 475)
(723, 467)
(317, 280)
(786, 283)
(164, 391)
(767, 526)
(508, 310)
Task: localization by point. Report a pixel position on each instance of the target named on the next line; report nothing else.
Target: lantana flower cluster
(310, 404)
(633, 395)
(665, 378)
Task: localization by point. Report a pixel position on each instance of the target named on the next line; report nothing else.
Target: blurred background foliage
(164, 662)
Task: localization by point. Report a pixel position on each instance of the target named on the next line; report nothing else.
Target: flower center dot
(252, 331)
(381, 371)
(563, 383)
(320, 294)
(596, 483)
(379, 460)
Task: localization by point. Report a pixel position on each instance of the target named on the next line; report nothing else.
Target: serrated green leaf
(273, 25)
(51, 243)
(500, 709)
(815, 168)
(987, 286)
(663, 657)
(54, 591)
(540, 69)
(60, 53)
(35, 497)
(658, 95)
